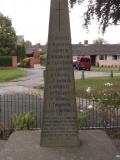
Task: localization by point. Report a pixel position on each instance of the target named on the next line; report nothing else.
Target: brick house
(34, 54)
(101, 54)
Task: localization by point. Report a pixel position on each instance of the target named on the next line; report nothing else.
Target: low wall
(34, 61)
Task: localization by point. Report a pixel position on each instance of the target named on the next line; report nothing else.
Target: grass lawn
(106, 69)
(7, 75)
(97, 84)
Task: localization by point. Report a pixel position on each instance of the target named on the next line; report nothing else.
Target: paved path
(25, 145)
(2, 145)
(24, 84)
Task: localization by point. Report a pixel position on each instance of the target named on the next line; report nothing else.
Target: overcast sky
(31, 17)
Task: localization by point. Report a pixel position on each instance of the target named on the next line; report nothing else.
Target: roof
(29, 50)
(96, 49)
(93, 49)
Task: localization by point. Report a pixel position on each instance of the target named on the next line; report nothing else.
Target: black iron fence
(98, 113)
(18, 104)
(90, 113)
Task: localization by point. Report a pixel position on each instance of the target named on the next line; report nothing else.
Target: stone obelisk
(59, 121)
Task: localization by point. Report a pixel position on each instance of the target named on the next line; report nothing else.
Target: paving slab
(2, 144)
(25, 145)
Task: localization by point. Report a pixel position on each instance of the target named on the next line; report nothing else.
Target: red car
(83, 63)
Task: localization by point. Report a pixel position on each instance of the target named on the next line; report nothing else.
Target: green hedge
(43, 59)
(5, 61)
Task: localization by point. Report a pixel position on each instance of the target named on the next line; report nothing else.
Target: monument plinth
(59, 125)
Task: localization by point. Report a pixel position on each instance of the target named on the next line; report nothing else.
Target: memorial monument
(59, 122)
(59, 126)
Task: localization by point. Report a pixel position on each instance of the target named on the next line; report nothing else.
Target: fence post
(44, 73)
(111, 73)
(119, 68)
(0, 108)
(82, 75)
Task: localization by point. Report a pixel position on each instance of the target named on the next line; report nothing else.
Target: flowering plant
(107, 102)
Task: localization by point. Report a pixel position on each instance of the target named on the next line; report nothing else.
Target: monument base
(25, 145)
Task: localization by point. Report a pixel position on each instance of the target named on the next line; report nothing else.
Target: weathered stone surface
(59, 125)
(25, 145)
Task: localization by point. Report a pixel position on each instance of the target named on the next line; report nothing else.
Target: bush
(23, 121)
(6, 61)
(82, 118)
(43, 59)
(24, 63)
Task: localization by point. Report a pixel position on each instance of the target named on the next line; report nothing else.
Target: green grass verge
(106, 69)
(7, 75)
(97, 84)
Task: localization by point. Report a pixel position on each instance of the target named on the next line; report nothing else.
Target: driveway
(24, 84)
(35, 78)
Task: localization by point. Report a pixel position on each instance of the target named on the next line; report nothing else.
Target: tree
(99, 41)
(28, 44)
(107, 12)
(7, 37)
(21, 51)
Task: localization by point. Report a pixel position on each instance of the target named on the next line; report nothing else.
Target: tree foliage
(106, 11)
(99, 41)
(20, 51)
(28, 44)
(7, 36)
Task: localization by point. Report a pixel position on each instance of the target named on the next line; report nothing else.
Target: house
(101, 54)
(34, 54)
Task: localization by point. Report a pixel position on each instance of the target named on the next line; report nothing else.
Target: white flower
(81, 110)
(108, 84)
(90, 106)
(88, 89)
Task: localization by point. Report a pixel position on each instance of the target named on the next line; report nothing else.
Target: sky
(31, 19)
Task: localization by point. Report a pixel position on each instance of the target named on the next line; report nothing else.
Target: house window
(115, 57)
(103, 57)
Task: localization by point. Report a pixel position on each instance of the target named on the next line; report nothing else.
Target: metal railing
(18, 104)
(96, 115)
(90, 116)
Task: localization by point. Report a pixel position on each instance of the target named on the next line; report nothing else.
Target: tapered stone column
(59, 123)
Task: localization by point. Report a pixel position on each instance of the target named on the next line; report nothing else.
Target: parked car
(83, 63)
(74, 62)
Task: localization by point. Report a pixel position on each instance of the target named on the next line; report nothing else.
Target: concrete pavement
(25, 145)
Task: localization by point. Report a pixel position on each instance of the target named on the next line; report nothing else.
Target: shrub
(107, 102)
(6, 61)
(24, 121)
(82, 118)
(43, 59)
(24, 63)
